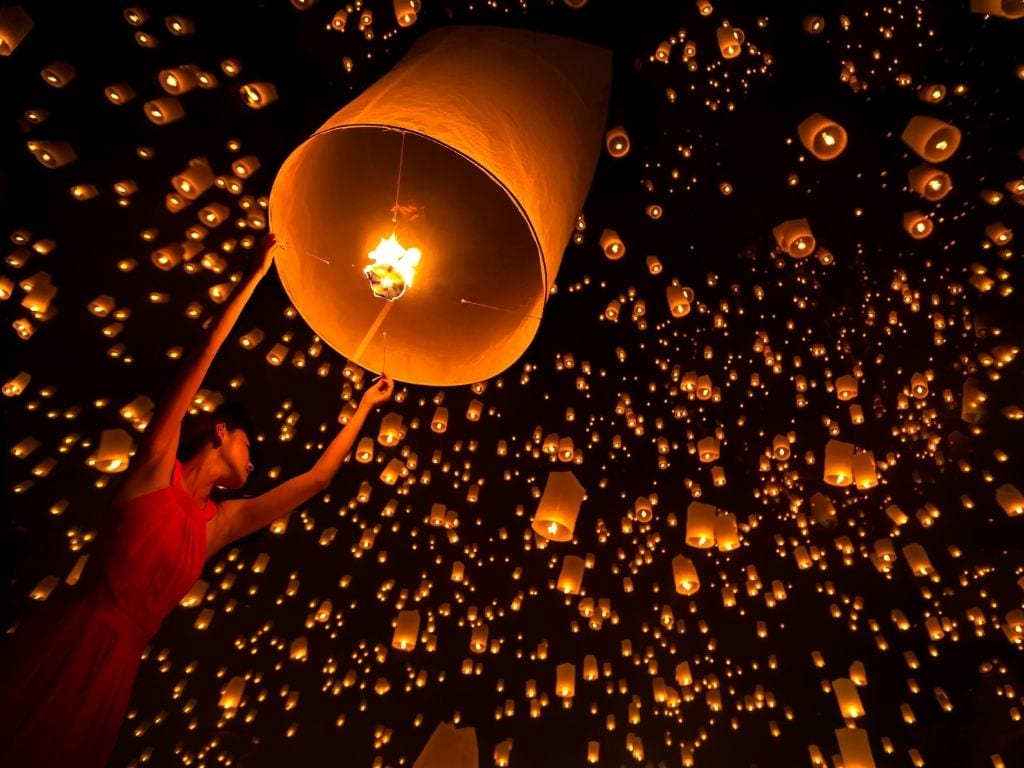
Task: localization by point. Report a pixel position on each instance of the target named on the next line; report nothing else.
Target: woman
(67, 674)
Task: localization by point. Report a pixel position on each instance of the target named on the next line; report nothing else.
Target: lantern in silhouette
(477, 149)
(449, 747)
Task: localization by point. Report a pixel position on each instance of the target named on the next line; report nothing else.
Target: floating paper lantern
(918, 225)
(473, 121)
(822, 137)
(917, 558)
(795, 238)
(847, 698)
(726, 532)
(179, 25)
(1009, 498)
(864, 475)
(113, 452)
(58, 74)
(846, 387)
(52, 154)
(565, 680)
(679, 300)
(164, 110)
(612, 245)
(855, 748)
(932, 139)
(406, 12)
(700, 525)
(178, 80)
(616, 141)
(194, 180)
(838, 463)
(684, 576)
(730, 42)
(244, 167)
(570, 578)
(258, 95)
(813, 25)
(15, 23)
(407, 628)
(449, 747)
(559, 506)
(1008, 9)
(823, 510)
(929, 182)
(999, 233)
(707, 449)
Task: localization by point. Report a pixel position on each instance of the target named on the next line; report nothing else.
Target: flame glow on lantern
(393, 268)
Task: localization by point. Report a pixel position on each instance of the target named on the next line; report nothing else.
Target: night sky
(741, 672)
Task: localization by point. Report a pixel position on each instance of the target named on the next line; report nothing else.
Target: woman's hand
(379, 392)
(263, 256)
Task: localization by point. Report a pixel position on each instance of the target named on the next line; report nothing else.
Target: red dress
(66, 675)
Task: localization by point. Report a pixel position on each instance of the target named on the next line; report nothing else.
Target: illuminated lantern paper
(112, 454)
(822, 137)
(407, 628)
(795, 238)
(570, 579)
(929, 182)
(556, 514)
(449, 747)
(565, 680)
(684, 576)
(726, 532)
(838, 463)
(616, 140)
(15, 23)
(847, 697)
(855, 748)
(164, 110)
(918, 225)
(700, 525)
(1009, 9)
(406, 12)
(484, 142)
(864, 474)
(932, 139)
(1010, 499)
(258, 95)
(730, 42)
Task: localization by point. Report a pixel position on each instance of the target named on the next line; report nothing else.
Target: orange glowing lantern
(570, 579)
(932, 139)
(730, 42)
(559, 506)
(700, 525)
(822, 137)
(449, 747)
(684, 576)
(473, 121)
(838, 463)
(929, 182)
(15, 23)
(795, 238)
(407, 628)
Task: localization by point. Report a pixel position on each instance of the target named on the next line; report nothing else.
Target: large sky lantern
(559, 506)
(474, 156)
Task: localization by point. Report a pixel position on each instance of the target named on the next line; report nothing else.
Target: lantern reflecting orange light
(838, 463)
(795, 238)
(15, 23)
(700, 525)
(570, 579)
(929, 182)
(449, 747)
(932, 139)
(488, 148)
(164, 110)
(556, 514)
(822, 137)
(407, 628)
(684, 576)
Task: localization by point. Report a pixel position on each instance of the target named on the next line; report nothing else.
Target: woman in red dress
(67, 673)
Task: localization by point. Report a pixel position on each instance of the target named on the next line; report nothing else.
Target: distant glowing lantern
(1010, 499)
(616, 141)
(51, 154)
(813, 25)
(407, 628)
(838, 463)
(929, 182)
(854, 748)
(795, 238)
(58, 74)
(684, 576)
(258, 95)
(178, 80)
(570, 578)
(700, 525)
(164, 110)
(112, 454)
(15, 23)
(726, 532)
(194, 180)
(559, 506)
(565, 680)
(612, 245)
(822, 137)
(864, 474)
(730, 42)
(846, 387)
(918, 225)
(490, 169)
(406, 12)
(932, 139)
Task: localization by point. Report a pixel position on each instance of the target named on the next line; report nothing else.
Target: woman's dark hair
(198, 430)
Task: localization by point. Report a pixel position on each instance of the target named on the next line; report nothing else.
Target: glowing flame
(393, 268)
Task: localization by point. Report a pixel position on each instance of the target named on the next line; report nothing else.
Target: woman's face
(234, 450)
